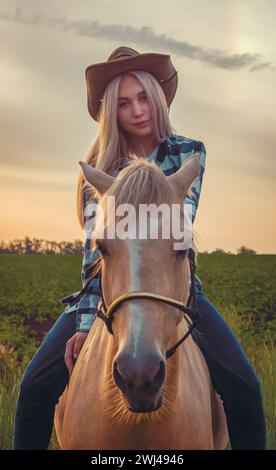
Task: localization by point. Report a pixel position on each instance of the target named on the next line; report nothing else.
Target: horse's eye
(101, 247)
(181, 253)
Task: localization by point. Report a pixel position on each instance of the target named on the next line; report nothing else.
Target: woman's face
(133, 107)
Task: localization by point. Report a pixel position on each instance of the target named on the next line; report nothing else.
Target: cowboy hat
(124, 59)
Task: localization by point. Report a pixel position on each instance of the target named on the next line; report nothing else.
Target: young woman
(129, 96)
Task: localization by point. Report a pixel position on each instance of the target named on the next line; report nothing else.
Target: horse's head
(144, 328)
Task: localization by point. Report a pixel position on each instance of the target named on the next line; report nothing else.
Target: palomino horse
(123, 392)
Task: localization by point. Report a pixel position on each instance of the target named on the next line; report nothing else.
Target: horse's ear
(186, 174)
(100, 180)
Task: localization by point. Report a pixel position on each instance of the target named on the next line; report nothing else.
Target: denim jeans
(232, 375)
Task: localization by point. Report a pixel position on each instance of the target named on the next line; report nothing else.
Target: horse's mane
(140, 182)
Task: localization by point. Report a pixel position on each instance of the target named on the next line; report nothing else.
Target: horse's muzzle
(140, 381)
(146, 409)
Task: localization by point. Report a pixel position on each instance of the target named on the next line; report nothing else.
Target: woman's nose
(137, 111)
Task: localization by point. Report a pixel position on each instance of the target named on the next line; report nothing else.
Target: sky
(224, 52)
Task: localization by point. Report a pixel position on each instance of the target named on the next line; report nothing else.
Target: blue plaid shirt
(169, 157)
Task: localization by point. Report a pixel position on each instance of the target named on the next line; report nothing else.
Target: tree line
(27, 245)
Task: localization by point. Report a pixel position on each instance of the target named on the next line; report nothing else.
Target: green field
(242, 287)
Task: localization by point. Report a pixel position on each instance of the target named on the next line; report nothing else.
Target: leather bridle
(107, 313)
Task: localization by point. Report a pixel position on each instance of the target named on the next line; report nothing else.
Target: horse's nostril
(120, 381)
(117, 376)
(160, 376)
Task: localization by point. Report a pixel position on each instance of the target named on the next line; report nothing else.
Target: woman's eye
(122, 104)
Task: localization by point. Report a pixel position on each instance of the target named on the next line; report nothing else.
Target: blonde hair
(110, 145)
(140, 182)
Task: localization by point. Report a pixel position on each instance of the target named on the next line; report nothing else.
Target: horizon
(75, 240)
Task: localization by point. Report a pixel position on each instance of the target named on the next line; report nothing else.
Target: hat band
(165, 81)
(124, 55)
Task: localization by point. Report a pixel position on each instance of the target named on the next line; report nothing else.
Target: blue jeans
(233, 378)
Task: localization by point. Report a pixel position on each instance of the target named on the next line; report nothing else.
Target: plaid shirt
(169, 157)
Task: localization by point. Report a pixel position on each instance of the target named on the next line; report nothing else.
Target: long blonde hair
(110, 144)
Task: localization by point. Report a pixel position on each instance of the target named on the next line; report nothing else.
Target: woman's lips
(142, 124)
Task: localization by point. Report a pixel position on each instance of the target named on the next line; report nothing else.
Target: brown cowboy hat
(124, 59)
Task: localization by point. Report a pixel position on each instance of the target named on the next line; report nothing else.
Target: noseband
(107, 313)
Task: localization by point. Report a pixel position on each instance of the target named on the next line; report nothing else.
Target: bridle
(107, 313)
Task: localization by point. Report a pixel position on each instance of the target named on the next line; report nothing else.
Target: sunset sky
(224, 51)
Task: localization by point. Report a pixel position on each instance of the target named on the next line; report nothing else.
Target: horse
(126, 392)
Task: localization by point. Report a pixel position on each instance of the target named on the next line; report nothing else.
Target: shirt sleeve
(193, 195)
(88, 304)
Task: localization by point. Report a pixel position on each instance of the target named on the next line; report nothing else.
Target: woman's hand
(73, 348)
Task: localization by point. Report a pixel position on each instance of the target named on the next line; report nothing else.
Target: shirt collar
(164, 149)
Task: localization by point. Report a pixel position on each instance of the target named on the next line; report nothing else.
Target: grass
(243, 288)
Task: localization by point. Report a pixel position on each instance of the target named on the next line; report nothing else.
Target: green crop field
(242, 287)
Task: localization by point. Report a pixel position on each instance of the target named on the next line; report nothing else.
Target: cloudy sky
(224, 51)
